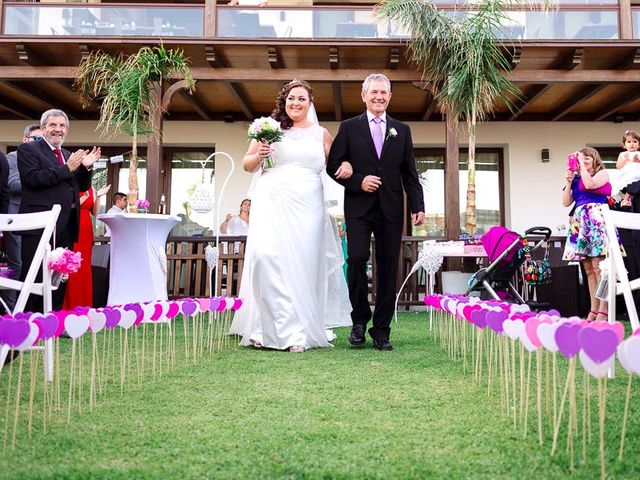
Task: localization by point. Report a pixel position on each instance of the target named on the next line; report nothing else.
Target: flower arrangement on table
(143, 205)
(268, 130)
(63, 262)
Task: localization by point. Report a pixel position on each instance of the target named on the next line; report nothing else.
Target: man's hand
(344, 171)
(75, 159)
(91, 157)
(370, 183)
(417, 218)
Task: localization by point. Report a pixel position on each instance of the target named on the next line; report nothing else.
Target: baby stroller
(505, 251)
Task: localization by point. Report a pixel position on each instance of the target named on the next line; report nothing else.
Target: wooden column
(452, 182)
(210, 15)
(625, 19)
(1, 13)
(154, 156)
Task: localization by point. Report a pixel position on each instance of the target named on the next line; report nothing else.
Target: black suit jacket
(396, 168)
(45, 182)
(4, 184)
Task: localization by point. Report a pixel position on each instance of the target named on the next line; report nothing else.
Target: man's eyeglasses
(34, 137)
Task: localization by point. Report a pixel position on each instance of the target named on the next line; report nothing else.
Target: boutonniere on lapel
(392, 133)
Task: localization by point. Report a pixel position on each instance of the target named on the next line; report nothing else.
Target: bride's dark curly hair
(280, 113)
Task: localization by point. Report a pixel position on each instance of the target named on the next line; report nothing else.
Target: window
(489, 189)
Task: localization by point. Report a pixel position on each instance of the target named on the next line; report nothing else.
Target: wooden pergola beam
(572, 102)
(617, 104)
(196, 103)
(337, 100)
(240, 99)
(334, 58)
(430, 106)
(235, 75)
(18, 110)
(274, 57)
(537, 92)
(43, 97)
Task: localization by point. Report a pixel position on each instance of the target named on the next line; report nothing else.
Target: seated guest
(120, 201)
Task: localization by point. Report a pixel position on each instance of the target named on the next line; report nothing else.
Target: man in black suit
(379, 150)
(50, 174)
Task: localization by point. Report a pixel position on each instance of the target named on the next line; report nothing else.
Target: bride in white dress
(292, 282)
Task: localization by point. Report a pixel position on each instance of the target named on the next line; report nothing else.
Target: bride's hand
(264, 150)
(344, 171)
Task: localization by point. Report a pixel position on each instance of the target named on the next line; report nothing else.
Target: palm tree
(127, 86)
(462, 60)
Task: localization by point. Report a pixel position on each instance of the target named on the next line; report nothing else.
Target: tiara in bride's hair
(293, 82)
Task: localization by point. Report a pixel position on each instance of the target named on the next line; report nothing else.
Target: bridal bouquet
(64, 261)
(265, 129)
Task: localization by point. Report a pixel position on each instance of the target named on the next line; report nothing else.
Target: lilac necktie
(377, 135)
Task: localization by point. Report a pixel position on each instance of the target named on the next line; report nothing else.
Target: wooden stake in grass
(625, 416)
(17, 409)
(602, 411)
(72, 371)
(567, 388)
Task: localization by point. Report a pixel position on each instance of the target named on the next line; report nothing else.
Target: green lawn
(339, 413)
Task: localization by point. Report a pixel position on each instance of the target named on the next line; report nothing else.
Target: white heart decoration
(632, 353)
(622, 357)
(165, 308)
(546, 334)
(127, 319)
(28, 342)
(76, 325)
(513, 328)
(97, 320)
(148, 309)
(598, 370)
(526, 342)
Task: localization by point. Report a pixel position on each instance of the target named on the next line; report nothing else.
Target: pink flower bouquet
(142, 204)
(64, 261)
(266, 129)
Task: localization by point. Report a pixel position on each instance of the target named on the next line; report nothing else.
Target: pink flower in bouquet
(65, 261)
(142, 203)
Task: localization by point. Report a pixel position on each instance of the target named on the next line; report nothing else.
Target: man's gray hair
(32, 127)
(375, 77)
(53, 113)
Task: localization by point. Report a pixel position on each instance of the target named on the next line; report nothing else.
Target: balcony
(593, 21)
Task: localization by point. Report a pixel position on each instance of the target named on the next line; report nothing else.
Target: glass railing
(635, 15)
(186, 21)
(362, 24)
(593, 22)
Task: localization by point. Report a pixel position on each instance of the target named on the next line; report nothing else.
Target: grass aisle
(339, 413)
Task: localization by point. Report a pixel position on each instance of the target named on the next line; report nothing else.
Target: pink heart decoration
(531, 329)
(598, 345)
(222, 305)
(596, 369)
(97, 320)
(61, 315)
(13, 332)
(76, 325)
(158, 312)
(204, 303)
(173, 310)
(237, 304)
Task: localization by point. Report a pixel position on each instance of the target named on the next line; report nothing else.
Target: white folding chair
(618, 280)
(23, 222)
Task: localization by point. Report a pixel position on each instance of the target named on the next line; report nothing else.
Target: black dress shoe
(356, 337)
(382, 344)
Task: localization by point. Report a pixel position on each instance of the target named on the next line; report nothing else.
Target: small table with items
(138, 270)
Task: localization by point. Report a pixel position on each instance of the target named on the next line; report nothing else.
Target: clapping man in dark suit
(50, 174)
(380, 151)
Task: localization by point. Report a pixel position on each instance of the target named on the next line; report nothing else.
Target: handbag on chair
(535, 272)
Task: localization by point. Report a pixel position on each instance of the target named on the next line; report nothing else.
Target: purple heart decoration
(48, 325)
(598, 345)
(189, 307)
(14, 332)
(496, 319)
(213, 305)
(568, 339)
(479, 318)
(113, 317)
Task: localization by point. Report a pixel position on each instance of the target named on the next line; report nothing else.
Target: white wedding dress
(293, 288)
